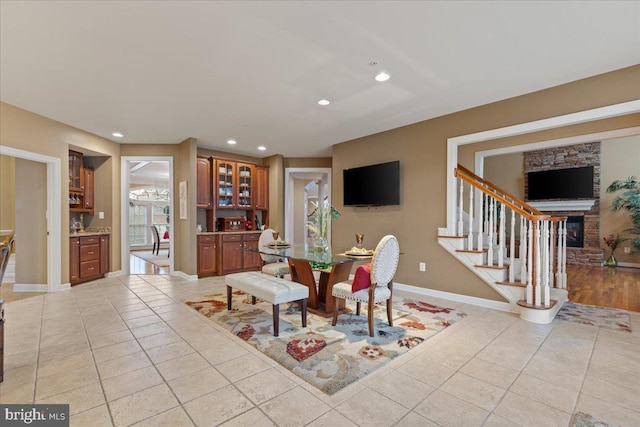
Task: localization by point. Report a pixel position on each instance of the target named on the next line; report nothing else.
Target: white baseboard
(19, 287)
(481, 302)
(185, 276)
(114, 273)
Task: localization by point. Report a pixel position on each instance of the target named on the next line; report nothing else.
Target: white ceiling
(163, 71)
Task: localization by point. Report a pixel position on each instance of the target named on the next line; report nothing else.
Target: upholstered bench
(271, 289)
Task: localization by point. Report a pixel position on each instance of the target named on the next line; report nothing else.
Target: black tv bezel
(396, 199)
(549, 172)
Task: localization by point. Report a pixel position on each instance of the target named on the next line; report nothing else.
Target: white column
(501, 246)
(546, 292)
(481, 222)
(461, 210)
(529, 288)
(490, 236)
(471, 208)
(512, 248)
(552, 244)
(523, 250)
(538, 265)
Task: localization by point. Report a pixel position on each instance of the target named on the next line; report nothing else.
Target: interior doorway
(306, 189)
(148, 215)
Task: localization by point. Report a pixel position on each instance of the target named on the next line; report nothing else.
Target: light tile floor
(126, 351)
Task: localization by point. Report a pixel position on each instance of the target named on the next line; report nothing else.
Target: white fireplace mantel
(563, 205)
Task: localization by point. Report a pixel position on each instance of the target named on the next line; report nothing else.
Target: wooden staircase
(517, 250)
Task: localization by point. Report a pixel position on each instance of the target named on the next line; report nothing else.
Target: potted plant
(628, 200)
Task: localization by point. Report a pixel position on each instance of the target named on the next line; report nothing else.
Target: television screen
(574, 183)
(374, 185)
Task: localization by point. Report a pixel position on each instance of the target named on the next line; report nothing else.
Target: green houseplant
(628, 200)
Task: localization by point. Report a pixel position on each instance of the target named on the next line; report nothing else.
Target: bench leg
(253, 300)
(228, 297)
(276, 319)
(304, 312)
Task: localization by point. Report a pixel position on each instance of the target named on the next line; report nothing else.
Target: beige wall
(307, 162)
(31, 222)
(276, 190)
(620, 160)
(421, 149)
(507, 172)
(27, 131)
(7, 193)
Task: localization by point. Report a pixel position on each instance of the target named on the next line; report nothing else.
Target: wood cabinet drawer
(207, 239)
(89, 252)
(232, 238)
(89, 240)
(251, 237)
(89, 268)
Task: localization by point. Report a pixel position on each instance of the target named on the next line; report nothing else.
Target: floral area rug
(611, 318)
(328, 357)
(580, 419)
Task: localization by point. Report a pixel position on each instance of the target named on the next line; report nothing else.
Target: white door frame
(124, 198)
(615, 110)
(53, 214)
(289, 182)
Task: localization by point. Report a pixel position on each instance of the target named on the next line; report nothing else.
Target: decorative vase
(611, 261)
(320, 244)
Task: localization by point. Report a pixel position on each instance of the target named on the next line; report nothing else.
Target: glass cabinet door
(224, 174)
(75, 171)
(245, 176)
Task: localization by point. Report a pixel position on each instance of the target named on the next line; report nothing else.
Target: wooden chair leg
(370, 317)
(228, 297)
(357, 309)
(389, 312)
(304, 312)
(335, 311)
(276, 319)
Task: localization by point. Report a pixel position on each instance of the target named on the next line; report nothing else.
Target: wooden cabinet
(74, 259)
(88, 258)
(81, 185)
(244, 190)
(76, 165)
(204, 195)
(207, 255)
(104, 254)
(261, 188)
(233, 257)
(88, 189)
(225, 173)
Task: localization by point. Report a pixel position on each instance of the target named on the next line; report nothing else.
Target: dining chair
(156, 240)
(5, 255)
(383, 267)
(271, 264)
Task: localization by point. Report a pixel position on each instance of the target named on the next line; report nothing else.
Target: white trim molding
(564, 205)
(400, 289)
(183, 275)
(520, 129)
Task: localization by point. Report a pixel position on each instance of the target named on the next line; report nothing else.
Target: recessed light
(117, 134)
(262, 148)
(231, 142)
(324, 102)
(382, 77)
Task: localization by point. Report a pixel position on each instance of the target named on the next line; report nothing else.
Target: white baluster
(512, 249)
(546, 292)
(481, 222)
(461, 210)
(494, 241)
(552, 244)
(471, 208)
(523, 250)
(530, 263)
(490, 237)
(563, 263)
(537, 263)
(501, 247)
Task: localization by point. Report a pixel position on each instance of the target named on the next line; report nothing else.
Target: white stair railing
(538, 268)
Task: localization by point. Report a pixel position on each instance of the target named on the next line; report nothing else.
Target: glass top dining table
(333, 264)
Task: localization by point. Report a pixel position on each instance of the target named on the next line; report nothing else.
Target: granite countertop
(92, 232)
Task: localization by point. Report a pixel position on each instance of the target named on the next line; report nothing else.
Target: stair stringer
(512, 294)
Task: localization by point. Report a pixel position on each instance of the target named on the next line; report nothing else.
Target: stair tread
(471, 251)
(523, 303)
(453, 237)
(495, 267)
(517, 284)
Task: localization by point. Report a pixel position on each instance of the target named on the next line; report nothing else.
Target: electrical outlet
(627, 249)
(423, 266)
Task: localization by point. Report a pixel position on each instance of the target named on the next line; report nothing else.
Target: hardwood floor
(140, 266)
(605, 287)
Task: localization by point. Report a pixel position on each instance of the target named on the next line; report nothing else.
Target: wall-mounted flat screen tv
(573, 183)
(374, 185)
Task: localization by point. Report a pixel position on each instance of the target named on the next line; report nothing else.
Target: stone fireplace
(584, 214)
